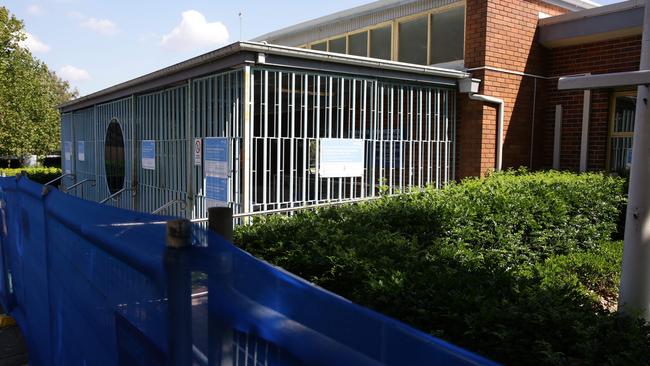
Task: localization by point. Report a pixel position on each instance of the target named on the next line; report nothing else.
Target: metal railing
(169, 204)
(59, 178)
(293, 209)
(74, 186)
(115, 195)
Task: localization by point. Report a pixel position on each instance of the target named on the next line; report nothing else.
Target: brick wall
(501, 34)
(616, 55)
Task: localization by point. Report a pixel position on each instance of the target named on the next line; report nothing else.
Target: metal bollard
(220, 221)
(179, 292)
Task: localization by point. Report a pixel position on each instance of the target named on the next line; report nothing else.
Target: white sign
(67, 155)
(81, 147)
(341, 158)
(198, 151)
(148, 154)
(216, 158)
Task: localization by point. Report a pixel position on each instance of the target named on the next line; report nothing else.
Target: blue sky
(96, 44)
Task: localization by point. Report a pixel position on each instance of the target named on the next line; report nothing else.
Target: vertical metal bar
(438, 138)
(278, 135)
(292, 138)
(265, 140)
(401, 138)
(317, 135)
(305, 139)
(446, 136)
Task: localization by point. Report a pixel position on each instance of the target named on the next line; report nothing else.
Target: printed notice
(67, 157)
(216, 161)
(198, 151)
(81, 148)
(148, 154)
(341, 158)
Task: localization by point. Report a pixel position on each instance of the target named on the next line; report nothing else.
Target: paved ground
(13, 350)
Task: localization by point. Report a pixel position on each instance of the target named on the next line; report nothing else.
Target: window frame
(611, 134)
(394, 24)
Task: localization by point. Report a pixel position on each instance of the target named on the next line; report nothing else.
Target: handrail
(59, 178)
(159, 209)
(80, 183)
(115, 195)
(299, 208)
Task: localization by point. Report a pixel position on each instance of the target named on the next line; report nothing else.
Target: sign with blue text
(67, 157)
(148, 153)
(216, 163)
(81, 150)
(341, 158)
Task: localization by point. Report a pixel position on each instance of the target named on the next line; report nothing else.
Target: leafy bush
(518, 266)
(39, 174)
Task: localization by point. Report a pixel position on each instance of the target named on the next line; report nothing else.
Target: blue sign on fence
(149, 154)
(216, 157)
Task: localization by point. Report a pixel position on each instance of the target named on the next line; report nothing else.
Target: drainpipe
(470, 86)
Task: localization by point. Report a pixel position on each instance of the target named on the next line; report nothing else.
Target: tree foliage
(29, 95)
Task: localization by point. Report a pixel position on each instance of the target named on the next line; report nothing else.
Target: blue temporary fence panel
(94, 284)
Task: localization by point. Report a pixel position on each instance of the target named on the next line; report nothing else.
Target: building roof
(374, 13)
(253, 53)
(593, 25)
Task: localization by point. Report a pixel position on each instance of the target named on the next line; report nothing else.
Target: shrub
(518, 266)
(40, 175)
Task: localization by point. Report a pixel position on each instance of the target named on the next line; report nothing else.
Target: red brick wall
(600, 57)
(501, 34)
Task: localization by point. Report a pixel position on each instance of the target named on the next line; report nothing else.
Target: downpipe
(500, 111)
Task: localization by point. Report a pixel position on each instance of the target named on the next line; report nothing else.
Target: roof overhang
(592, 25)
(251, 53)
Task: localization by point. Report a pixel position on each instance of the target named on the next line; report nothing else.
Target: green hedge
(518, 266)
(41, 175)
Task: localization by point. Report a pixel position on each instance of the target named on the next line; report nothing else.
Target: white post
(557, 137)
(635, 279)
(584, 142)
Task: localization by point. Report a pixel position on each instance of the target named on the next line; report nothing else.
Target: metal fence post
(220, 336)
(179, 292)
(220, 221)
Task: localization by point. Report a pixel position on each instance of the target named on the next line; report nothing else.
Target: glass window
(380, 42)
(114, 157)
(412, 42)
(358, 44)
(622, 131)
(447, 36)
(338, 45)
(322, 46)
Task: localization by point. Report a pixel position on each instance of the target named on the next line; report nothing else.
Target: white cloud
(102, 26)
(194, 32)
(71, 73)
(34, 44)
(35, 9)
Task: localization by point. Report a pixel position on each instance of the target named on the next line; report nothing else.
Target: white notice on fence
(81, 150)
(198, 151)
(67, 157)
(341, 158)
(216, 157)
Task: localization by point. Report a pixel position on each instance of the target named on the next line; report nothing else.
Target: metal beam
(612, 80)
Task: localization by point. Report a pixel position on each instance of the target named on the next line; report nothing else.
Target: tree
(29, 96)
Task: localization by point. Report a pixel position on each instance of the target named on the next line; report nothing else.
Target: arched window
(114, 161)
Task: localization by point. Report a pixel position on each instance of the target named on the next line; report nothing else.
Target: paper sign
(148, 154)
(628, 158)
(67, 157)
(216, 160)
(81, 156)
(198, 151)
(341, 158)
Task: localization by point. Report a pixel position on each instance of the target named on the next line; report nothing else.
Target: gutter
(262, 49)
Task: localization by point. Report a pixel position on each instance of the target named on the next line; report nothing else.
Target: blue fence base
(93, 284)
